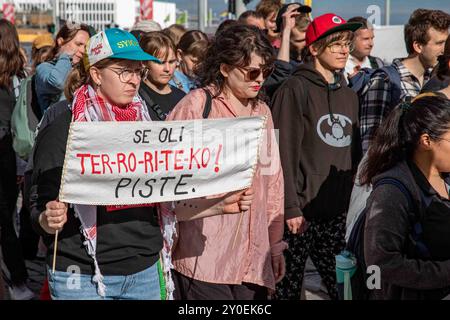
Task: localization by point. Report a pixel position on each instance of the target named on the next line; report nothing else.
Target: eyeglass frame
(142, 74)
(350, 45)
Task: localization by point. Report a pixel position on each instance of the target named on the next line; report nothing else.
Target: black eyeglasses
(125, 75)
(252, 74)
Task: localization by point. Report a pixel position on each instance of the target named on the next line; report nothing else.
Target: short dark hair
(249, 13)
(363, 21)
(226, 24)
(421, 20)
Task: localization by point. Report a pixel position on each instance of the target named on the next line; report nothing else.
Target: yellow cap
(43, 40)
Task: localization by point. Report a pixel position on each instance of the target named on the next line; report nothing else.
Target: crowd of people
(345, 119)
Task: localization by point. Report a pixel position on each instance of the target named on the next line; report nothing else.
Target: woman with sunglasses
(408, 212)
(208, 262)
(317, 115)
(160, 96)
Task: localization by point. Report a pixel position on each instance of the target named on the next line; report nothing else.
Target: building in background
(101, 14)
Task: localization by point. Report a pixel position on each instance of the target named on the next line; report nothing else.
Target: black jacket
(387, 244)
(128, 241)
(319, 143)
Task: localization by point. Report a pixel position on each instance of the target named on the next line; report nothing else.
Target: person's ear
(425, 141)
(225, 70)
(313, 50)
(418, 47)
(60, 42)
(96, 76)
(179, 54)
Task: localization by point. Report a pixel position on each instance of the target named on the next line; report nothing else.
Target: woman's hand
(54, 217)
(279, 267)
(238, 201)
(288, 18)
(297, 225)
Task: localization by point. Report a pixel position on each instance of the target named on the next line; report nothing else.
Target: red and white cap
(327, 24)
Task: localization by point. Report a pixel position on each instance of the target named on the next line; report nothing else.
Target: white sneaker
(21, 292)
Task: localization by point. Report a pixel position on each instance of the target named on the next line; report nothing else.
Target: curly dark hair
(234, 47)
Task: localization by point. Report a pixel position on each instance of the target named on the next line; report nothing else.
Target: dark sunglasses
(252, 74)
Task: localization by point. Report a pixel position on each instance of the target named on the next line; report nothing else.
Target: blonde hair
(175, 32)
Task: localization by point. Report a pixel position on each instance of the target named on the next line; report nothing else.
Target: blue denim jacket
(50, 80)
(182, 81)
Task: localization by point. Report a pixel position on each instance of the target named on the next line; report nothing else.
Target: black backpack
(355, 244)
(162, 116)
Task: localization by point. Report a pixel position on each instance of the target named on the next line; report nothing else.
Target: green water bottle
(345, 269)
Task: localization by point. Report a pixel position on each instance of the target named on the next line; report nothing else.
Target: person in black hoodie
(317, 118)
(411, 147)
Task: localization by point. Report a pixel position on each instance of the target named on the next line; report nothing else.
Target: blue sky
(400, 9)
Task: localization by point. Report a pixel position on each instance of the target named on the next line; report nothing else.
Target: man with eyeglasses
(317, 118)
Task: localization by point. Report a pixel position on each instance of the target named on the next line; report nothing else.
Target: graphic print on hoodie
(319, 143)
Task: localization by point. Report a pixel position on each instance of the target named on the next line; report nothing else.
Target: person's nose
(135, 79)
(166, 66)
(260, 78)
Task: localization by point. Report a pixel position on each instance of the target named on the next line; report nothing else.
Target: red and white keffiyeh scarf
(88, 106)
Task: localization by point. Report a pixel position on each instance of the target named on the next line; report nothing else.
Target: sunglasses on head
(252, 74)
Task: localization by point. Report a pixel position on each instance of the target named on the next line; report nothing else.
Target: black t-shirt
(128, 240)
(166, 102)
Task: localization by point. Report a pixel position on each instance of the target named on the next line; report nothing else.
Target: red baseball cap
(327, 24)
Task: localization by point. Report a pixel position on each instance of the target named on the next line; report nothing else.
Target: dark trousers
(29, 239)
(322, 241)
(191, 289)
(11, 247)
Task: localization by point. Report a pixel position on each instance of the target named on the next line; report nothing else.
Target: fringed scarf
(88, 106)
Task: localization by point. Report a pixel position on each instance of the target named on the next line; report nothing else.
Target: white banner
(127, 163)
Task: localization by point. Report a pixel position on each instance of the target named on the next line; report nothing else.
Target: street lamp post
(388, 12)
(202, 13)
(56, 14)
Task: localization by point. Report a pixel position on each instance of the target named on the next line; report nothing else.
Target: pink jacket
(204, 250)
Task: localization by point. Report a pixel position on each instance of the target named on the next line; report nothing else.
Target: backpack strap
(375, 62)
(208, 104)
(416, 235)
(395, 83)
(34, 100)
(153, 105)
